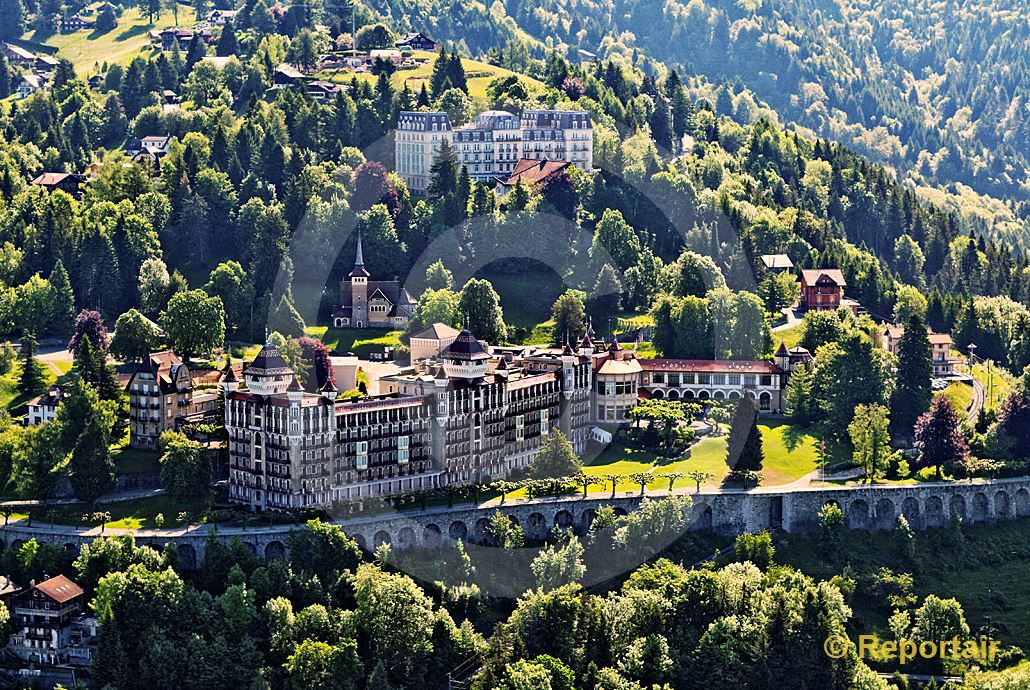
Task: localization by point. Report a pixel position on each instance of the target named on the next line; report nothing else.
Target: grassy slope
(479, 74)
(87, 48)
(360, 341)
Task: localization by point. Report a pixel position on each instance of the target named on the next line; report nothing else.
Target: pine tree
(33, 377)
(62, 319)
(744, 448)
(799, 396)
(92, 469)
(912, 390)
(227, 43)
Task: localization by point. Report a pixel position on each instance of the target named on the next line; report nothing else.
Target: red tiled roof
(50, 178)
(746, 366)
(811, 276)
(60, 589)
(530, 172)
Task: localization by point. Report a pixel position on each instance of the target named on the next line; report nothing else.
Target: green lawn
(86, 49)
(360, 341)
(961, 395)
(789, 336)
(15, 402)
(789, 455)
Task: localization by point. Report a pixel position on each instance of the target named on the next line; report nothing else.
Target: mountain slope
(940, 90)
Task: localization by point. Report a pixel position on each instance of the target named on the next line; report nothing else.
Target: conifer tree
(33, 378)
(92, 469)
(62, 319)
(744, 448)
(912, 390)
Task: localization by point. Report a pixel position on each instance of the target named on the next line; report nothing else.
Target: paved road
(792, 320)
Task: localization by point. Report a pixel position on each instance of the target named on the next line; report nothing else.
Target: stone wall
(872, 508)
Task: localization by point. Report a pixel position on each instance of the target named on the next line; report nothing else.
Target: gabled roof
(60, 589)
(49, 179)
(32, 80)
(531, 172)
(774, 261)
(811, 276)
(438, 331)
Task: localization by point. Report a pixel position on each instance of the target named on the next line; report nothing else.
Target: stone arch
(406, 538)
(537, 528)
(187, 557)
(1022, 503)
(563, 519)
(586, 519)
(765, 401)
(957, 505)
(431, 536)
(981, 507)
(71, 548)
(934, 512)
(910, 509)
(719, 395)
(458, 530)
(857, 515)
(703, 395)
(381, 537)
(885, 513)
(359, 539)
(251, 548)
(658, 394)
(1002, 506)
(482, 532)
(734, 395)
(832, 502)
(674, 395)
(702, 517)
(275, 549)
(688, 395)
(619, 511)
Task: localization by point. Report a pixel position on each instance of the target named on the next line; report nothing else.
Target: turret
(268, 374)
(294, 391)
(230, 382)
(782, 357)
(329, 389)
(465, 358)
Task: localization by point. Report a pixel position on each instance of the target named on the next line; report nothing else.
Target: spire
(294, 386)
(359, 261)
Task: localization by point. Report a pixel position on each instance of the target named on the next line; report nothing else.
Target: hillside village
(279, 268)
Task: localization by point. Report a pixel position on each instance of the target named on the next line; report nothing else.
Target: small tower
(294, 392)
(268, 374)
(615, 350)
(230, 382)
(329, 389)
(465, 358)
(782, 357)
(359, 289)
(586, 346)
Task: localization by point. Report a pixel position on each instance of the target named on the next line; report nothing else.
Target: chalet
(170, 97)
(321, 91)
(43, 408)
(17, 55)
(221, 17)
(183, 36)
(51, 624)
(777, 263)
(29, 84)
(416, 41)
(940, 349)
(77, 23)
(45, 64)
(286, 75)
(535, 174)
(156, 146)
(694, 379)
(821, 289)
(66, 182)
(8, 588)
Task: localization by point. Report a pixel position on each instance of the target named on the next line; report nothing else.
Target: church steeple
(359, 261)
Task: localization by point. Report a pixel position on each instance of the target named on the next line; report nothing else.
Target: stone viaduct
(731, 512)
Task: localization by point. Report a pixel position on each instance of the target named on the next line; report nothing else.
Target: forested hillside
(938, 90)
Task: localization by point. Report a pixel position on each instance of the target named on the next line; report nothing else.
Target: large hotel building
(491, 145)
(465, 413)
(465, 417)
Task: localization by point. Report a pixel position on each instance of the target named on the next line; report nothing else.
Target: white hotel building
(491, 146)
